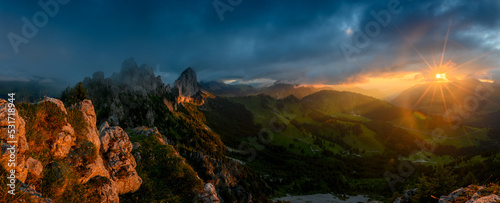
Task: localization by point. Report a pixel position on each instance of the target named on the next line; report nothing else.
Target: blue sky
(286, 40)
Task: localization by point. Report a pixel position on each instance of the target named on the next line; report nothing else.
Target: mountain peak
(188, 70)
(187, 84)
(129, 65)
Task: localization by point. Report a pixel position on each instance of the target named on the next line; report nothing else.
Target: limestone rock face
(187, 83)
(95, 169)
(65, 140)
(20, 147)
(34, 166)
(88, 112)
(58, 103)
(115, 149)
(111, 173)
(106, 192)
(186, 89)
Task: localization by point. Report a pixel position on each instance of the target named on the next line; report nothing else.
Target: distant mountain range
(280, 90)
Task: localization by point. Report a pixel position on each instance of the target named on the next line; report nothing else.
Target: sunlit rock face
(116, 148)
(65, 140)
(187, 89)
(111, 172)
(187, 85)
(89, 115)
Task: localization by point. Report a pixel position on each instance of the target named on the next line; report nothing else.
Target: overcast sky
(248, 40)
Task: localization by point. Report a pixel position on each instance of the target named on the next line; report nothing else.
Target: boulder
(115, 149)
(34, 166)
(209, 194)
(452, 196)
(488, 199)
(65, 140)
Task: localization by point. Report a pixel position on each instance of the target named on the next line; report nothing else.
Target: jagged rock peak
(133, 75)
(187, 83)
(129, 65)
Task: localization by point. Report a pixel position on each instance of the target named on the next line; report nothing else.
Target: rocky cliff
(186, 89)
(62, 157)
(119, 97)
(175, 153)
(187, 84)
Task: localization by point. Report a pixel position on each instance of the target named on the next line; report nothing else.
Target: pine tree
(73, 95)
(441, 182)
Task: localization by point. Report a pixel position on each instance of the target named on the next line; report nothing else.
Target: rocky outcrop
(95, 169)
(473, 194)
(65, 140)
(111, 173)
(187, 89)
(141, 80)
(106, 191)
(145, 131)
(125, 98)
(90, 117)
(209, 194)
(34, 166)
(57, 102)
(116, 148)
(487, 199)
(187, 85)
(18, 141)
(223, 175)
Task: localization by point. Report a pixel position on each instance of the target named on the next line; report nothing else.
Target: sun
(441, 77)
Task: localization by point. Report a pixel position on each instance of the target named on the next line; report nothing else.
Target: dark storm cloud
(281, 40)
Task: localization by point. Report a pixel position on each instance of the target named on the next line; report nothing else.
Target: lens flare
(441, 77)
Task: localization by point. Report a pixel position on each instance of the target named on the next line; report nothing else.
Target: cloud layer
(296, 41)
